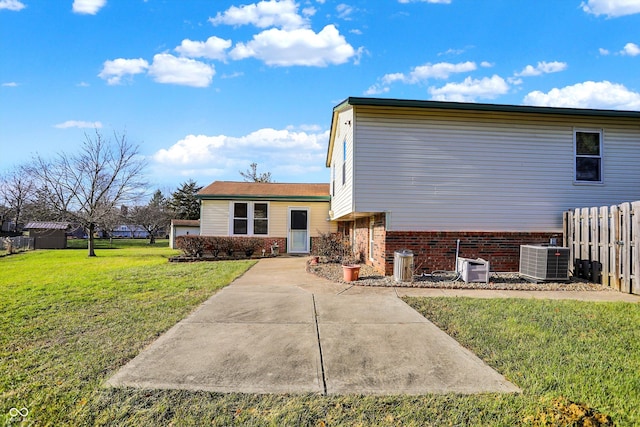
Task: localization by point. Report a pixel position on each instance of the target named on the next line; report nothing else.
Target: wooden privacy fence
(605, 245)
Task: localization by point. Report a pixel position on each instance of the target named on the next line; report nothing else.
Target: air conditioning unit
(544, 263)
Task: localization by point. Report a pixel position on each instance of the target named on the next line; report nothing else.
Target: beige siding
(214, 218)
(481, 171)
(318, 214)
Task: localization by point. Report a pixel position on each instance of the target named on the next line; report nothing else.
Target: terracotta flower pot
(350, 272)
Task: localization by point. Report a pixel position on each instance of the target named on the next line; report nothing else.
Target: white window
(344, 161)
(250, 218)
(588, 155)
(260, 218)
(371, 239)
(240, 218)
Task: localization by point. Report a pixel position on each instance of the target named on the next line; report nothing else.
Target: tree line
(97, 187)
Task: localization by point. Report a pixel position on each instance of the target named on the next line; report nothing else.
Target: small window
(588, 151)
(260, 219)
(344, 161)
(240, 219)
(372, 241)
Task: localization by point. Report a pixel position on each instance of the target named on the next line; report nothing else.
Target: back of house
(420, 175)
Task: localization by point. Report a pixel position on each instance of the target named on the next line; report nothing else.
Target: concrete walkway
(278, 329)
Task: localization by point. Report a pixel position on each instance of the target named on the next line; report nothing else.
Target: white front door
(298, 241)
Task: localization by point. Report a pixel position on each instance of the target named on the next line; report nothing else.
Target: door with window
(298, 241)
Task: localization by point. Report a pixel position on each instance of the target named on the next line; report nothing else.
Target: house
(131, 231)
(48, 235)
(182, 227)
(290, 214)
(420, 175)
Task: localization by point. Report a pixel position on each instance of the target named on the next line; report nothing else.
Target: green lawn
(67, 322)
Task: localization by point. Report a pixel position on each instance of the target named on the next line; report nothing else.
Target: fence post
(605, 245)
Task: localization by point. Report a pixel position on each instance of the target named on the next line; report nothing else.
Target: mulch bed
(498, 281)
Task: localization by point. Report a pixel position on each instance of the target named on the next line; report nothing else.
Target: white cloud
(10, 84)
(344, 11)
(441, 70)
(376, 90)
(13, 5)
(542, 68)
(286, 151)
(167, 68)
(471, 89)
(88, 7)
(603, 52)
(611, 8)
(589, 94)
(265, 14)
(113, 71)
(192, 149)
(213, 48)
(421, 73)
(78, 124)
(296, 47)
(631, 49)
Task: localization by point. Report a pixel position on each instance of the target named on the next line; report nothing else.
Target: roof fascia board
(467, 106)
(266, 198)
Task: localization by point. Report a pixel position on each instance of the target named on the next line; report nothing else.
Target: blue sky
(208, 87)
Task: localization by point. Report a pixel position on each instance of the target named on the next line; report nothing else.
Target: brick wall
(437, 250)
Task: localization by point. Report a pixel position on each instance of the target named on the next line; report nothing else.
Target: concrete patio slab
(414, 358)
(229, 357)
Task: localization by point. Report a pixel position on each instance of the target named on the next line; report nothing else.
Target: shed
(183, 227)
(48, 235)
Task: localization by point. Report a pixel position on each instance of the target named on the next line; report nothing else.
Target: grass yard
(556, 351)
(67, 322)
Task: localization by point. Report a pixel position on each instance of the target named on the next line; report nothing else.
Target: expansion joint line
(315, 318)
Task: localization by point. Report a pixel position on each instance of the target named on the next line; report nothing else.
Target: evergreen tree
(184, 203)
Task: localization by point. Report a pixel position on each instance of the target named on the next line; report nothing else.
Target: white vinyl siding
(341, 200)
(482, 171)
(214, 218)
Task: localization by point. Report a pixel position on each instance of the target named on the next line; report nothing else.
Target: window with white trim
(588, 154)
(240, 218)
(250, 218)
(372, 242)
(260, 218)
(344, 161)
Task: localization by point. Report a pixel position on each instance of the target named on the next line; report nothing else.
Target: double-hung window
(250, 218)
(588, 154)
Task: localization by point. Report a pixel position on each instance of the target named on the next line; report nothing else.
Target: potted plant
(350, 263)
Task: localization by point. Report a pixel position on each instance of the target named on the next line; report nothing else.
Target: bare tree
(252, 175)
(153, 217)
(17, 189)
(86, 186)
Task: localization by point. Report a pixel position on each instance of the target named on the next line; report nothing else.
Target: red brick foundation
(436, 250)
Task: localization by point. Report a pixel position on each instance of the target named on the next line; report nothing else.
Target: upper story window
(250, 218)
(588, 154)
(344, 161)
